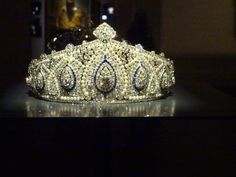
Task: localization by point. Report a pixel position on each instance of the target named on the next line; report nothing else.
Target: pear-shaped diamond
(140, 78)
(68, 78)
(40, 83)
(105, 77)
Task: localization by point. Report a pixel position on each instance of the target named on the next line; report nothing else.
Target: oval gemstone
(68, 78)
(105, 77)
(140, 78)
(40, 83)
(164, 80)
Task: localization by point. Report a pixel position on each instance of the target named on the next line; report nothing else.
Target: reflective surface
(20, 99)
(144, 109)
(185, 100)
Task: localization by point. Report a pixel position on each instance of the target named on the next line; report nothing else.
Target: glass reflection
(39, 108)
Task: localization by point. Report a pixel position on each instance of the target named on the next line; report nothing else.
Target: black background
(118, 147)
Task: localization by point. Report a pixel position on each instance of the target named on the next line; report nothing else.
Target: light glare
(104, 17)
(111, 10)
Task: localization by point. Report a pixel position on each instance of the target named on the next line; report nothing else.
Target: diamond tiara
(102, 70)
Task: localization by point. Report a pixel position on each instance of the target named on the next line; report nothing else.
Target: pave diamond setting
(102, 70)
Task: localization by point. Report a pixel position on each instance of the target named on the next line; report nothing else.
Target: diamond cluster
(102, 70)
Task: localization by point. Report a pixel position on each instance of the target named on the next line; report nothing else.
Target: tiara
(102, 70)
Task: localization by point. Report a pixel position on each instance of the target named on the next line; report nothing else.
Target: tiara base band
(78, 100)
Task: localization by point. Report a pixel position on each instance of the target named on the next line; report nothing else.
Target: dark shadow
(234, 4)
(140, 31)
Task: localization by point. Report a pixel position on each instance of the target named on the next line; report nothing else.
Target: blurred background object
(68, 21)
(70, 15)
(37, 27)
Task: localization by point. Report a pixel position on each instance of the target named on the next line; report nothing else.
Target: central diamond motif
(105, 77)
